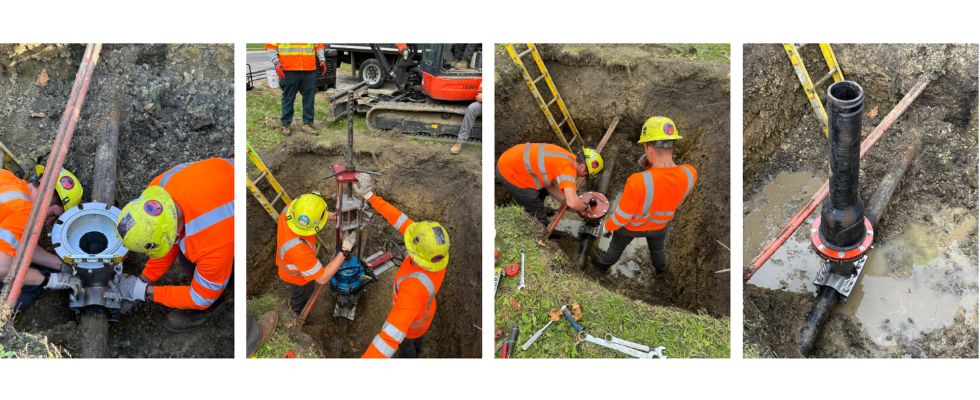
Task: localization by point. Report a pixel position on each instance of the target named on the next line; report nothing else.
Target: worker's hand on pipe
(348, 243)
(364, 187)
(280, 71)
(132, 288)
(323, 64)
(60, 281)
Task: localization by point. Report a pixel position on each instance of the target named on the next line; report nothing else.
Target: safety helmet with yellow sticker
(427, 243)
(307, 214)
(68, 187)
(659, 129)
(149, 224)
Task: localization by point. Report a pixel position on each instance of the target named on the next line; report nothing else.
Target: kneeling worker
(650, 198)
(187, 215)
(296, 248)
(416, 283)
(532, 171)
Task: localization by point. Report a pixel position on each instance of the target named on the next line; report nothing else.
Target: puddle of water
(633, 261)
(913, 283)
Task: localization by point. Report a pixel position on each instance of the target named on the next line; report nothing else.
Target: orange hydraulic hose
(821, 193)
(59, 151)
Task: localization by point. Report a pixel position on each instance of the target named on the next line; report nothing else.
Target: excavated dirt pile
(177, 105)
(636, 82)
(918, 298)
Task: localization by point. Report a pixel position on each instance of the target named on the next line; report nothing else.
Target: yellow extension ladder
(532, 84)
(833, 71)
(10, 162)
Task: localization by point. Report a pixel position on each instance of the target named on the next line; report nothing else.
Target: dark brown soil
(421, 179)
(177, 106)
(695, 94)
(782, 134)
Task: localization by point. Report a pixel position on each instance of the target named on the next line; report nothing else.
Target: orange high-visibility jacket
(295, 56)
(651, 197)
(15, 209)
(536, 165)
(205, 193)
(414, 294)
(296, 255)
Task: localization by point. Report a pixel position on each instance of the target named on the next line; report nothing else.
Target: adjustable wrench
(521, 285)
(537, 334)
(584, 336)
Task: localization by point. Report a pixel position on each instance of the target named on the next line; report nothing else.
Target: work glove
(642, 161)
(67, 269)
(323, 64)
(60, 281)
(280, 71)
(364, 187)
(132, 288)
(348, 243)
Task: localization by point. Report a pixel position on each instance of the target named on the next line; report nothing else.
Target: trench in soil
(420, 178)
(918, 293)
(176, 104)
(695, 94)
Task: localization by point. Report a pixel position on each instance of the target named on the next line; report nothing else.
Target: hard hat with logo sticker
(149, 223)
(68, 187)
(307, 214)
(427, 243)
(593, 160)
(658, 129)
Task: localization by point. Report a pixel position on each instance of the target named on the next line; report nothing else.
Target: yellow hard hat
(149, 223)
(69, 189)
(657, 129)
(428, 244)
(307, 214)
(593, 160)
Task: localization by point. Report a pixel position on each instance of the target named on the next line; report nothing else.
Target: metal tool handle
(615, 340)
(571, 319)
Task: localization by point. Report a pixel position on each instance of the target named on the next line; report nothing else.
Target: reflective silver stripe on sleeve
(170, 174)
(527, 166)
(210, 218)
(382, 347)
(312, 271)
(12, 195)
(544, 171)
(648, 189)
(565, 178)
(663, 213)
(200, 300)
(208, 284)
(393, 331)
(690, 179)
(288, 245)
(401, 220)
(423, 278)
(9, 237)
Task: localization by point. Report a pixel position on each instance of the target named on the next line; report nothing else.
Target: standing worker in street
(187, 215)
(532, 171)
(296, 248)
(296, 65)
(416, 283)
(473, 111)
(17, 197)
(650, 198)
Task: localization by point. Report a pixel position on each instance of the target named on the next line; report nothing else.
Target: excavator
(429, 98)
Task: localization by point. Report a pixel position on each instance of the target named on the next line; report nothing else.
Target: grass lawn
(262, 119)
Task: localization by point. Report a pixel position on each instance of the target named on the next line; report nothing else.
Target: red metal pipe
(59, 151)
(821, 193)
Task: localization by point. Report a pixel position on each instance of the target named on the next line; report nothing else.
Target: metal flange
(834, 254)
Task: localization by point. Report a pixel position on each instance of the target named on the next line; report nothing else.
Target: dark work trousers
(532, 200)
(303, 82)
(464, 51)
(473, 111)
(299, 295)
(28, 293)
(622, 238)
(410, 348)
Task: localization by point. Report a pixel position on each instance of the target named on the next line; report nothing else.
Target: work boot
(456, 149)
(183, 320)
(308, 128)
(286, 129)
(260, 331)
(600, 266)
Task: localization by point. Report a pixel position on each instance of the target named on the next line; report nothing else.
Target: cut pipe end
(847, 96)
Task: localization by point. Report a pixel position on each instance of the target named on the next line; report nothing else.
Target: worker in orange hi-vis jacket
(650, 198)
(296, 248)
(187, 215)
(416, 283)
(296, 64)
(17, 197)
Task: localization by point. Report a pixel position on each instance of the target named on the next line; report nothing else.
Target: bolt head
(840, 254)
(821, 247)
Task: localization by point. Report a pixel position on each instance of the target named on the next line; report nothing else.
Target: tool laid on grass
(512, 269)
(613, 343)
(508, 349)
(521, 285)
(553, 315)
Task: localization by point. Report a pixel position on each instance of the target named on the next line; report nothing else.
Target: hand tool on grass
(508, 349)
(614, 344)
(553, 315)
(521, 285)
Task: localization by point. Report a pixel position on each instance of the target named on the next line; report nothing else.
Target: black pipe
(842, 213)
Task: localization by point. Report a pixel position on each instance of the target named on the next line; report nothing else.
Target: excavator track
(438, 121)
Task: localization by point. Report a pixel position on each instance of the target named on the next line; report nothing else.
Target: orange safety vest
(295, 56)
(296, 255)
(536, 165)
(413, 292)
(15, 209)
(651, 197)
(205, 193)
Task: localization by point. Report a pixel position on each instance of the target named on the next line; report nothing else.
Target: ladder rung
(525, 52)
(553, 101)
(825, 77)
(562, 122)
(262, 175)
(538, 79)
(278, 196)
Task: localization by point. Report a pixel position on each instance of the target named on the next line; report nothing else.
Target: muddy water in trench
(915, 281)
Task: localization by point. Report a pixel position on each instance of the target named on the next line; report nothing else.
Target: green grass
(254, 46)
(6, 354)
(262, 119)
(551, 282)
(703, 51)
(260, 305)
(276, 347)
(279, 343)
